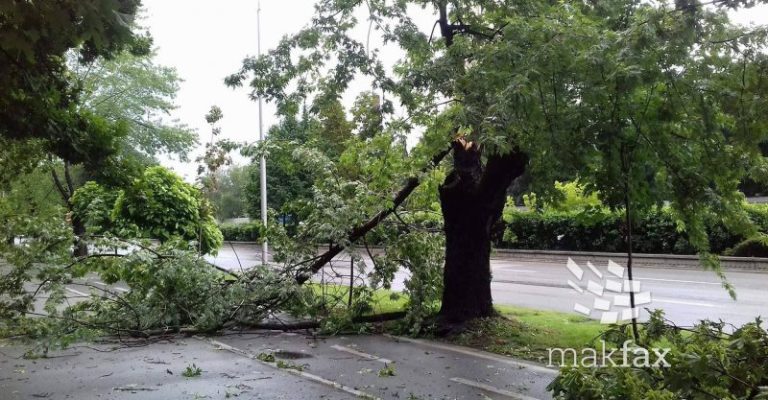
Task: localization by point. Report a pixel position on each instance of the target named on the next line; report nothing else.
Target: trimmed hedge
(655, 233)
(752, 247)
(248, 232)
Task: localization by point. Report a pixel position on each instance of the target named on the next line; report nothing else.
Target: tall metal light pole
(263, 162)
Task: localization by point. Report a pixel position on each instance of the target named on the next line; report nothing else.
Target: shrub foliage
(160, 205)
(248, 232)
(712, 360)
(753, 247)
(599, 229)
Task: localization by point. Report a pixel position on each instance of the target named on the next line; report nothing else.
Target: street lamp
(263, 161)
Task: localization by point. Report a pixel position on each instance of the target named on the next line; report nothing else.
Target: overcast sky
(207, 40)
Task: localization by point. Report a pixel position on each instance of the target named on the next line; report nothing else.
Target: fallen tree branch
(387, 316)
(157, 254)
(279, 326)
(359, 231)
(302, 325)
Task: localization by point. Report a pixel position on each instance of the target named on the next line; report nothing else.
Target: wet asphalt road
(330, 368)
(686, 295)
(348, 367)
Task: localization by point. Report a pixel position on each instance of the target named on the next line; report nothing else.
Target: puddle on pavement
(290, 355)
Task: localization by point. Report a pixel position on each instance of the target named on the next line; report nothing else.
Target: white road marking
(678, 281)
(476, 353)
(77, 292)
(687, 303)
(361, 354)
(492, 389)
(302, 374)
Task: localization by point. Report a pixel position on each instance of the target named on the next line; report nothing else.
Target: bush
(160, 205)
(210, 237)
(598, 229)
(93, 204)
(248, 232)
(705, 362)
(753, 247)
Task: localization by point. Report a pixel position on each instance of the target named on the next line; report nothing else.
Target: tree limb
(60, 187)
(68, 178)
(501, 168)
(359, 231)
(301, 325)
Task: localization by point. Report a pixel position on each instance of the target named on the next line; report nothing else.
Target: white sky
(207, 40)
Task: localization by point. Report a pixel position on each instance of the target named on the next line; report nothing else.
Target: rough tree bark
(78, 226)
(472, 199)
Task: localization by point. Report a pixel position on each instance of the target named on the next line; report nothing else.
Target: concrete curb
(639, 259)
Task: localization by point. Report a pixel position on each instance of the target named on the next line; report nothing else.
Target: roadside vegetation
(622, 100)
(527, 334)
(579, 221)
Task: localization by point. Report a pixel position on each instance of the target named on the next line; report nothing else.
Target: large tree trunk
(472, 199)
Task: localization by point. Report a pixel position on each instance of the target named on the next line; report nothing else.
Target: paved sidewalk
(344, 367)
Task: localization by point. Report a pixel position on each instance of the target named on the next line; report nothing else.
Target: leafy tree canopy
(93, 204)
(31, 195)
(38, 98)
(134, 90)
(367, 115)
(581, 88)
(326, 130)
(288, 183)
(17, 158)
(216, 154)
(567, 196)
(229, 199)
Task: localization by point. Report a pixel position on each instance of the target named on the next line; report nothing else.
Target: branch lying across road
(361, 230)
(296, 326)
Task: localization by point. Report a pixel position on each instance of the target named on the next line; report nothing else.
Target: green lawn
(528, 333)
(384, 301)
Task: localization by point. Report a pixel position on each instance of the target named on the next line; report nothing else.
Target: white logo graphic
(610, 292)
(605, 357)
